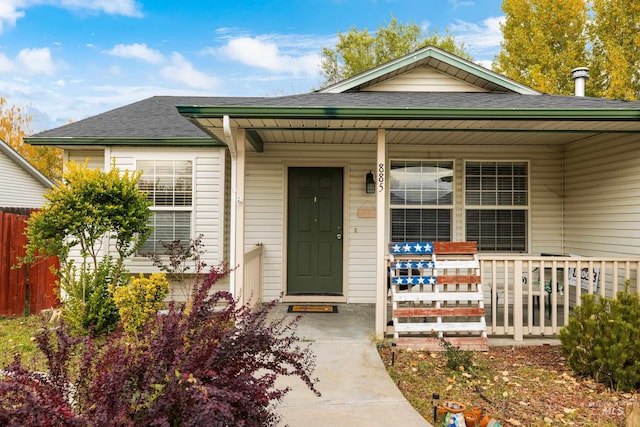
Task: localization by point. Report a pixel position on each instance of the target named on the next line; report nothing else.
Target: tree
(359, 50)
(14, 126)
(543, 40)
(87, 211)
(615, 56)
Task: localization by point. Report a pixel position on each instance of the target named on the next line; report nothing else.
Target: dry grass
(517, 385)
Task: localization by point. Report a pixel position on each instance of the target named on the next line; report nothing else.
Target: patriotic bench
(436, 290)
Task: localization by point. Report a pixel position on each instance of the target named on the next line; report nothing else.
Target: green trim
(467, 130)
(214, 142)
(255, 140)
(425, 53)
(399, 113)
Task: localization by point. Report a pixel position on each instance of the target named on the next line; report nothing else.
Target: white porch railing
(518, 306)
(253, 274)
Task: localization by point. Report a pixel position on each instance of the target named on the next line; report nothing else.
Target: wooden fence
(34, 284)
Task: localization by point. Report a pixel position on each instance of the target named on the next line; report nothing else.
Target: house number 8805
(381, 177)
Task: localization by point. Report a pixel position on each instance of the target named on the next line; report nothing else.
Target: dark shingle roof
(154, 117)
(157, 117)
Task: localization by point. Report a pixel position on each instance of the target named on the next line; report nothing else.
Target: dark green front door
(314, 234)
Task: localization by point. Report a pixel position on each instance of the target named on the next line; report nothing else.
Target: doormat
(312, 309)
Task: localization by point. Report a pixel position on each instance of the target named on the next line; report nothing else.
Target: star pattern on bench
(414, 280)
(412, 248)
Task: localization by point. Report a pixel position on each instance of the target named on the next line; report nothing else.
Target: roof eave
(406, 113)
(107, 141)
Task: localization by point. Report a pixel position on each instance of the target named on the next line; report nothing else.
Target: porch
(516, 306)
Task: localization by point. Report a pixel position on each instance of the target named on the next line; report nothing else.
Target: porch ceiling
(421, 132)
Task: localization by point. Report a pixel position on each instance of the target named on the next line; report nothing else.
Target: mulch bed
(517, 385)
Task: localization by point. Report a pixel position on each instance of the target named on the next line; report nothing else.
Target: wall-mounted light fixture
(370, 184)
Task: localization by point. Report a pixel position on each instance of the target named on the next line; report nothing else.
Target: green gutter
(400, 113)
(70, 141)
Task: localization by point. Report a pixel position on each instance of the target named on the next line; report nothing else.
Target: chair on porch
(436, 290)
(548, 284)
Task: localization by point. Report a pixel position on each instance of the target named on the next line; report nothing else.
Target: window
(496, 205)
(169, 184)
(421, 195)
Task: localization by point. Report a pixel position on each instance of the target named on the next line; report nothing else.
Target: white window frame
(495, 207)
(191, 209)
(450, 207)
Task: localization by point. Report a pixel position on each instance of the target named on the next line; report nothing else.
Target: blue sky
(69, 59)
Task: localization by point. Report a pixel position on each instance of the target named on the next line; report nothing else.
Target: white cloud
(110, 7)
(137, 50)
(182, 71)
(481, 39)
(9, 13)
(36, 61)
(12, 10)
(262, 53)
(461, 3)
(61, 83)
(29, 61)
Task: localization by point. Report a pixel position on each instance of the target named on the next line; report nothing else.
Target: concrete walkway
(356, 389)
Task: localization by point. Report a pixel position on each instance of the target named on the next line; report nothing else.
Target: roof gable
(423, 79)
(438, 60)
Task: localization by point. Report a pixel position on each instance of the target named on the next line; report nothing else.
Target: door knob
(339, 236)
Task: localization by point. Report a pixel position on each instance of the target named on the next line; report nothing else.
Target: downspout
(231, 143)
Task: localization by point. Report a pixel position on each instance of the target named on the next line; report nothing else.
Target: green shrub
(602, 339)
(457, 358)
(140, 299)
(89, 305)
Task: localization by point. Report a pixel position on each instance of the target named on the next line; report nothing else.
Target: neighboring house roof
(24, 164)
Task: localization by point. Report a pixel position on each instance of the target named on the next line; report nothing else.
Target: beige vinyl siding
(423, 79)
(602, 197)
(208, 202)
(94, 158)
(265, 201)
(18, 188)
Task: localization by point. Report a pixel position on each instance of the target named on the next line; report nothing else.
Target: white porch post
(381, 220)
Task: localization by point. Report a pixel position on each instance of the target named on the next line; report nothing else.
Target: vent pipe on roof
(580, 76)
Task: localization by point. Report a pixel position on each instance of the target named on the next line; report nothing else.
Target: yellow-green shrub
(140, 300)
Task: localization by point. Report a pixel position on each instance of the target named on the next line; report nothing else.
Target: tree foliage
(543, 40)
(14, 126)
(88, 210)
(615, 57)
(359, 50)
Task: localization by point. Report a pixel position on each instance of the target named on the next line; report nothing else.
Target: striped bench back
(436, 289)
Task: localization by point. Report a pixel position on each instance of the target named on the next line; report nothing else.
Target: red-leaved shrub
(214, 363)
